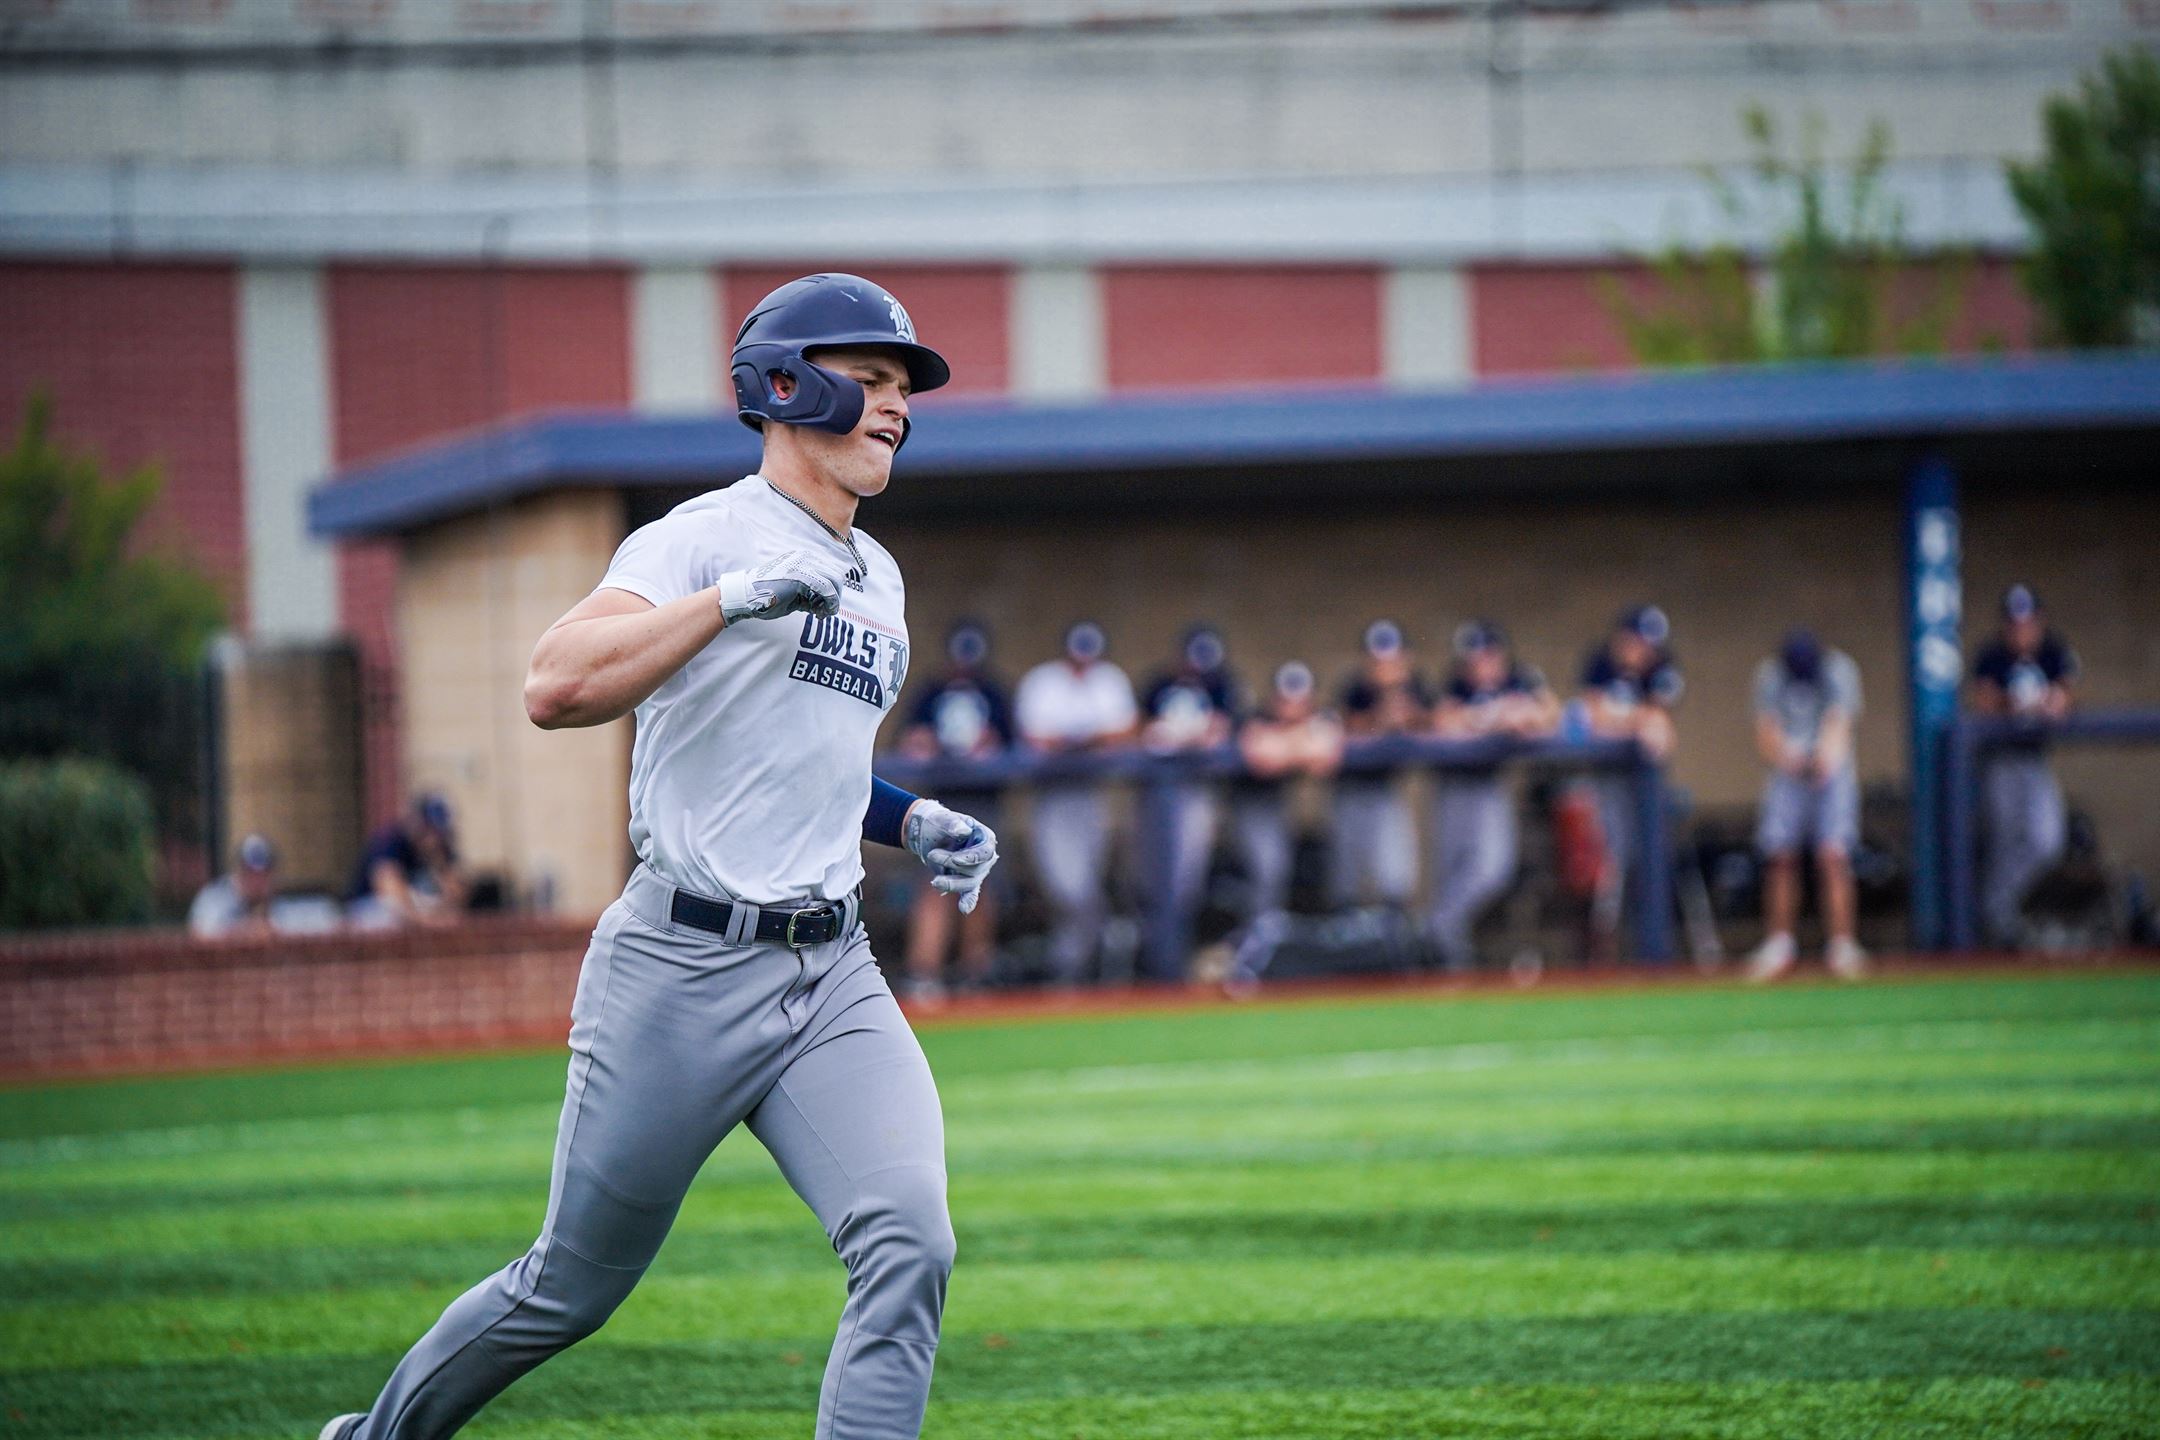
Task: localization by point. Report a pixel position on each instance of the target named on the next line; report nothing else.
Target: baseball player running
(758, 636)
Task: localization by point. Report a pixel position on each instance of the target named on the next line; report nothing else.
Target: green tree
(2093, 201)
(1833, 282)
(101, 634)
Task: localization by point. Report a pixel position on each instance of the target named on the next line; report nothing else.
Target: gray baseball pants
(1375, 842)
(2028, 826)
(676, 1037)
(1262, 825)
(1071, 841)
(1474, 852)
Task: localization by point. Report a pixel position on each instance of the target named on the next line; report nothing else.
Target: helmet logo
(902, 326)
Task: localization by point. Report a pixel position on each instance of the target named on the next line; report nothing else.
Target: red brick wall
(1548, 319)
(142, 364)
(419, 352)
(1173, 326)
(106, 1004)
(960, 311)
(1553, 319)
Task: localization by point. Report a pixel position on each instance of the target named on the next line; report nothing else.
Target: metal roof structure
(2003, 416)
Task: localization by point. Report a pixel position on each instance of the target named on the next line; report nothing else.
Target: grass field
(1921, 1208)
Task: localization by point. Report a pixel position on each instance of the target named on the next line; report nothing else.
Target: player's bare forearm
(612, 650)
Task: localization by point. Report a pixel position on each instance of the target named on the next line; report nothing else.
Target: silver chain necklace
(861, 566)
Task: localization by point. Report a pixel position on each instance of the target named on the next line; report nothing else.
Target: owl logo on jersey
(892, 668)
(903, 327)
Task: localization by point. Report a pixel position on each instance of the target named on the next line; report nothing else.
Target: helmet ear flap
(822, 399)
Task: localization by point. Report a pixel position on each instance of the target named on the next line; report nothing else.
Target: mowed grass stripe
(1273, 1032)
(468, 1149)
(746, 1166)
(1009, 1298)
(1952, 1050)
(1838, 1410)
(2107, 1156)
(239, 1395)
(1675, 1227)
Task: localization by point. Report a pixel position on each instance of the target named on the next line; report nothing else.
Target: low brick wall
(105, 1003)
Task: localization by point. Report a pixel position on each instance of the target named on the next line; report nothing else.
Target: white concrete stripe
(1425, 326)
(1057, 333)
(675, 339)
(285, 449)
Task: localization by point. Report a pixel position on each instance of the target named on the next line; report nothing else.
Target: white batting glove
(959, 848)
(797, 580)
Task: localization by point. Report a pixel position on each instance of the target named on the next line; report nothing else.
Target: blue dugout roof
(1233, 431)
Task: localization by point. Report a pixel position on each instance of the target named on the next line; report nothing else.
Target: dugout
(1744, 502)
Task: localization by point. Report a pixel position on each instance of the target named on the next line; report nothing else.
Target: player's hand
(959, 849)
(797, 580)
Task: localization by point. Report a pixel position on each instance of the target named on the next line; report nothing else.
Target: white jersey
(1055, 703)
(751, 768)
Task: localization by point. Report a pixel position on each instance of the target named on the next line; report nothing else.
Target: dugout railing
(1967, 743)
(1156, 777)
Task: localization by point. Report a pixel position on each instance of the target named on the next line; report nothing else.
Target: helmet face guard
(822, 312)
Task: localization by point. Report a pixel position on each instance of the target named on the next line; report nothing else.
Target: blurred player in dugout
(1630, 685)
(409, 872)
(1375, 848)
(1073, 705)
(1807, 701)
(241, 901)
(1287, 738)
(1187, 708)
(1475, 837)
(963, 716)
(2026, 673)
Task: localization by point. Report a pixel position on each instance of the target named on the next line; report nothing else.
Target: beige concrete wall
(1734, 571)
(291, 717)
(474, 596)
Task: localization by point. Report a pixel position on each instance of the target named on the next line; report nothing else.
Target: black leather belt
(795, 929)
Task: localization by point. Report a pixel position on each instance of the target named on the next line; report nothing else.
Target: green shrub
(75, 845)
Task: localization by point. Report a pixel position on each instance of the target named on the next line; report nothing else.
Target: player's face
(1487, 667)
(2024, 635)
(861, 460)
(1631, 652)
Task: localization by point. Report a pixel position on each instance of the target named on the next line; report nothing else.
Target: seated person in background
(1630, 685)
(2025, 672)
(1375, 838)
(1475, 841)
(963, 716)
(1191, 706)
(1080, 702)
(238, 903)
(1807, 699)
(409, 872)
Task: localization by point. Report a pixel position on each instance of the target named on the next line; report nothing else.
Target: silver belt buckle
(791, 941)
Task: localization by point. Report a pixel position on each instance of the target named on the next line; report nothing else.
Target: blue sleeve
(888, 809)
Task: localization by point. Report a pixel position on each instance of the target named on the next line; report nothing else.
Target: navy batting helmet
(821, 312)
